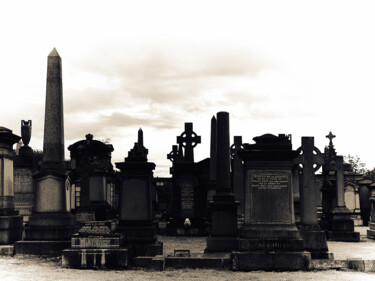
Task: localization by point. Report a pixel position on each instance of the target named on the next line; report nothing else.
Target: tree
(357, 166)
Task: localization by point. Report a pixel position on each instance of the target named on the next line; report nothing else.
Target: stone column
(223, 229)
(51, 224)
(237, 172)
(10, 221)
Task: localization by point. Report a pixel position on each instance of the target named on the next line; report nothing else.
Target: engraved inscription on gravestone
(271, 196)
(187, 186)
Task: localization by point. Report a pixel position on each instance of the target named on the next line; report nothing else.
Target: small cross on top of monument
(189, 139)
(138, 153)
(330, 151)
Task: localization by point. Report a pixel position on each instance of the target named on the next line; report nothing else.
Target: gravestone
(188, 182)
(336, 218)
(92, 174)
(223, 207)
(10, 222)
(269, 239)
(136, 218)
(51, 224)
(96, 245)
(237, 178)
(371, 230)
(211, 185)
(26, 163)
(314, 238)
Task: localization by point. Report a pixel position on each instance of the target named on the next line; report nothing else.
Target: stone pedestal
(269, 239)
(96, 246)
(342, 228)
(136, 218)
(371, 231)
(223, 207)
(10, 222)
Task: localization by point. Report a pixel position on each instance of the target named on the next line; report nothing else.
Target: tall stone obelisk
(51, 224)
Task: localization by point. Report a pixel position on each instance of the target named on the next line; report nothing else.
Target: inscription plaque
(187, 186)
(270, 195)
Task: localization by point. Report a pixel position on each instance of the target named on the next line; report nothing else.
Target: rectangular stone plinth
(95, 258)
(52, 248)
(97, 242)
(270, 261)
(221, 244)
(11, 228)
(345, 236)
(275, 244)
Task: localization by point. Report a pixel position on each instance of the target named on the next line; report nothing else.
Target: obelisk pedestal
(223, 228)
(10, 222)
(51, 224)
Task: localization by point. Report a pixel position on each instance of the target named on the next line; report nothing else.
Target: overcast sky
(295, 67)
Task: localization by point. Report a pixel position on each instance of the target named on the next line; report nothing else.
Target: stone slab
(345, 236)
(95, 258)
(152, 250)
(270, 261)
(270, 244)
(96, 242)
(221, 244)
(51, 248)
(7, 250)
(203, 261)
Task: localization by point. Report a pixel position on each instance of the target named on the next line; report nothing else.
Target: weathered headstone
(136, 218)
(51, 224)
(96, 246)
(269, 239)
(223, 228)
(371, 230)
(336, 218)
(314, 238)
(92, 174)
(10, 222)
(237, 177)
(188, 188)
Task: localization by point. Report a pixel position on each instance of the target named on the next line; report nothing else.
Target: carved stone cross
(189, 139)
(307, 192)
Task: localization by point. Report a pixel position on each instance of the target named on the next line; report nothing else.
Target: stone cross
(175, 155)
(307, 192)
(189, 139)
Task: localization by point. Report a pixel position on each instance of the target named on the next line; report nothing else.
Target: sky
(303, 68)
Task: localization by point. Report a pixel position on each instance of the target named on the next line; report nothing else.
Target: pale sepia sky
(296, 67)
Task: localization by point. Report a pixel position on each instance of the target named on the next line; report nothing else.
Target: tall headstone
(336, 218)
(237, 177)
(314, 238)
(51, 224)
(188, 187)
(10, 222)
(25, 165)
(136, 218)
(223, 228)
(269, 239)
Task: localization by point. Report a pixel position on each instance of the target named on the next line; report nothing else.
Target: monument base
(344, 236)
(221, 244)
(371, 233)
(149, 250)
(314, 241)
(50, 227)
(50, 248)
(11, 228)
(95, 258)
(270, 261)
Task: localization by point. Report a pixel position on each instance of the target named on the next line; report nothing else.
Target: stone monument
(51, 224)
(314, 238)
(188, 192)
(269, 239)
(92, 176)
(136, 218)
(337, 218)
(96, 246)
(223, 228)
(237, 178)
(10, 222)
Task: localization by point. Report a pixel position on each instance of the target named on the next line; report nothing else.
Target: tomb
(269, 238)
(10, 222)
(96, 245)
(92, 179)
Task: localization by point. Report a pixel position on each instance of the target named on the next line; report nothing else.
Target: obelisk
(51, 224)
(53, 142)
